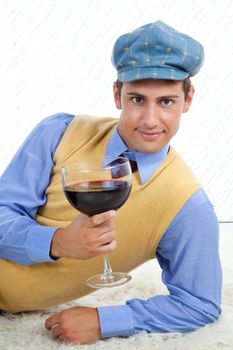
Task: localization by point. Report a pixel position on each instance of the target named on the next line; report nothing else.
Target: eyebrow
(158, 98)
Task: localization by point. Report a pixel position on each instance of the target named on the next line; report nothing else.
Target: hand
(78, 325)
(85, 237)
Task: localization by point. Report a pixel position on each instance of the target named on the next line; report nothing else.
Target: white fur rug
(26, 331)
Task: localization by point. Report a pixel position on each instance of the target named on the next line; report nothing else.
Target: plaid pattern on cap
(158, 51)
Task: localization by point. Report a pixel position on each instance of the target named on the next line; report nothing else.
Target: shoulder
(47, 133)
(87, 127)
(199, 202)
(92, 122)
(196, 218)
(51, 125)
(54, 120)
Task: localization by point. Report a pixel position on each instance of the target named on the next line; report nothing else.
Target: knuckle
(112, 234)
(91, 251)
(62, 316)
(62, 321)
(95, 219)
(111, 237)
(110, 225)
(88, 238)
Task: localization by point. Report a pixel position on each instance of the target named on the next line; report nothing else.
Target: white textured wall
(55, 56)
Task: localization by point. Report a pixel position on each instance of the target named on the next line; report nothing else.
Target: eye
(166, 102)
(137, 100)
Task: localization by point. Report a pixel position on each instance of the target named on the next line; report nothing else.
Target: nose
(151, 117)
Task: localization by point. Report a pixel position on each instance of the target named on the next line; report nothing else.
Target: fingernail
(113, 213)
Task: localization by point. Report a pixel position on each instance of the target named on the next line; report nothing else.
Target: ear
(189, 99)
(116, 96)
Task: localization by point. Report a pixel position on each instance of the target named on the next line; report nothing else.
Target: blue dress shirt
(187, 253)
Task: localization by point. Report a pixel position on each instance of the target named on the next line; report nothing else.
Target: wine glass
(92, 187)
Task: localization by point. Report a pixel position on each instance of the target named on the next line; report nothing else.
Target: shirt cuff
(38, 243)
(115, 321)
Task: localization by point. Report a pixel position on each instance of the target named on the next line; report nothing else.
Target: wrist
(53, 256)
(55, 251)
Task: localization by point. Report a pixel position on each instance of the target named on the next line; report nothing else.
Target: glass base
(108, 280)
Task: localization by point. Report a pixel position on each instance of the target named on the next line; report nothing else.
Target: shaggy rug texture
(26, 330)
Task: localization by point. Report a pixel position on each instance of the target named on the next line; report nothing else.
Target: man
(47, 250)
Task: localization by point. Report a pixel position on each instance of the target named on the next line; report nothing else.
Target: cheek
(171, 119)
(127, 122)
(174, 126)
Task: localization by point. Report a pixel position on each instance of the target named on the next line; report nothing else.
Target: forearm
(22, 192)
(162, 313)
(171, 313)
(22, 240)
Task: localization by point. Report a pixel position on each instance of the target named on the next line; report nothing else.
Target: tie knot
(129, 154)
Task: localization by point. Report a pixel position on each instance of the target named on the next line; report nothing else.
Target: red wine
(94, 197)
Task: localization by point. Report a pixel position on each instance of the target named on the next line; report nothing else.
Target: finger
(98, 219)
(103, 249)
(56, 330)
(105, 238)
(62, 338)
(107, 248)
(104, 227)
(51, 321)
(96, 239)
(96, 232)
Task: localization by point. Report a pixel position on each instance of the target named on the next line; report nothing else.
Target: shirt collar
(147, 163)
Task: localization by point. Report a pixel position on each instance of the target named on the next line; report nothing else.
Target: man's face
(150, 112)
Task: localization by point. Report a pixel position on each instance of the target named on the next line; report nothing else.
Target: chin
(150, 150)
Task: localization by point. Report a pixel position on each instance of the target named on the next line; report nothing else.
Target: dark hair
(186, 85)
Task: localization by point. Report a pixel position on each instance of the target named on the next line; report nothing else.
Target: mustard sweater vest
(140, 222)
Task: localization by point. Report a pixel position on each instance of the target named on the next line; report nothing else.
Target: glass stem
(107, 266)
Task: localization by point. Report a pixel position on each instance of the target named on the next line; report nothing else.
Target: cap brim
(152, 73)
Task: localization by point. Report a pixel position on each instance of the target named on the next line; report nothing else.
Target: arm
(189, 258)
(22, 191)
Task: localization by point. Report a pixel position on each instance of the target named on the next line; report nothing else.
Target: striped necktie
(130, 155)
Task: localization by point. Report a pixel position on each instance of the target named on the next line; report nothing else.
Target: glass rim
(79, 168)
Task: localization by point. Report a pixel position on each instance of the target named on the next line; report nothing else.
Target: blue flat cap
(157, 51)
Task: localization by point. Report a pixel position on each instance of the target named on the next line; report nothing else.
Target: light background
(55, 56)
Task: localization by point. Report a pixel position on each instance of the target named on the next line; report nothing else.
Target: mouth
(150, 135)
